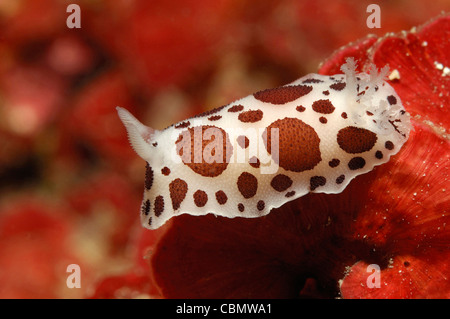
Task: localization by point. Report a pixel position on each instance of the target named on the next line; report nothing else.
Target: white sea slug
(245, 158)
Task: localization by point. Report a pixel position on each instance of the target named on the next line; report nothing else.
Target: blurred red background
(70, 184)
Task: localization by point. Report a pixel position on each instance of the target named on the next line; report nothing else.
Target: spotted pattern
(200, 198)
(236, 108)
(356, 163)
(281, 182)
(177, 189)
(334, 162)
(300, 108)
(392, 99)
(260, 205)
(323, 106)
(146, 207)
(183, 124)
(221, 197)
(316, 118)
(243, 141)
(298, 145)
(148, 177)
(158, 205)
(165, 171)
(389, 145)
(312, 81)
(317, 181)
(338, 86)
(207, 152)
(247, 185)
(289, 194)
(282, 95)
(215, 117)
(254, 162)
(356, 140)
(340, 179)
(210, 112)
(251, 116)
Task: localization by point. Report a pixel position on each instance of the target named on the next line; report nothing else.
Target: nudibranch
(242, 159)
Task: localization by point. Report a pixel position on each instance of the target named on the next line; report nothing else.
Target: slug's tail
(139, 135)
